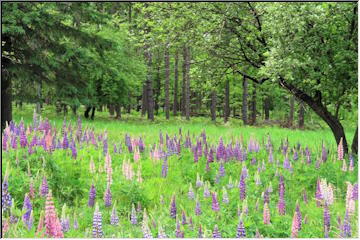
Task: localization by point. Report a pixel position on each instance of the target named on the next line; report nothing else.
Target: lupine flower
(355, 191)
(240, 233)
(108, 197)
(97, 223)
(39, 231)
(318, 196)
(211, 156)
(161, 233)
(173, 207)
(32, 189)
(138, 207)
(326, 216)
(305, 219)
(64, 223)
(133, 218)
(197, 207)
(28, 208)
(92, 194)
(200, 234)
(340, 150)
(266, 214)
(295, 226)
(199, 183)
(73, 149)
(114, 219)
(164, 168)
(351, 162)
(271, 157)
(5, 196)
(177, 231)
(216, 232)
(266, 196)
(281, 196)
(221, 169)
(13, 218)
(44, 187)
(105, 146)
(206, 190)
(52, 223)
(5, 228)
(346, 226)
(196, 157)
(225, 196)
(92, 165)
(305, 196)
(76, 224)
(191, 192)
(323, 154)
(344, 168)
(215, 205)
(298, 213)
(184, 222)
(350, 203)
(242, 187)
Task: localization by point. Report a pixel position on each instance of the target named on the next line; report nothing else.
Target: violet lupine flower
(65, 143)
(28, 208)
(217, 177)
(196, 157)
(73, 149)
(295, 157)
(191, 192)
(355, 191)
(92, 194)
(351, 162)
(5, 139)
(141, 145)
(305, 219)
(307, 154)
(298, 214)
(197, 207)
(225, 196)
(177, 231)
(105, 146)
(5, 196)
(97, 223)
(211, 156)
(242, 187)
(318, 196)
(323, 154)
(133, 217)
(206, 190)
(200, 235)
(253, 161)
(230, 185)
(281, 196)
(215, 205)
(216, 232)
(326, 216)
(76, 223)
(240, 231)
(23, 139)
(44, 187)
(346, 229)
(221, 169)
(173, 207)
(164, 168)
(107, 197)
(14, 142)
(305, 196)
(114, 219)
(271, 157)
(266, 196)
(184, 222)
(266, 214)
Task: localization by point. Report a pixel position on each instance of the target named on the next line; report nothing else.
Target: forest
(238, 81)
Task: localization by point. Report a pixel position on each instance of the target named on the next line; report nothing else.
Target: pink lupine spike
(340, 150)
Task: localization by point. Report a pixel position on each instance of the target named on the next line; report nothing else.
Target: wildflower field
(131, 179)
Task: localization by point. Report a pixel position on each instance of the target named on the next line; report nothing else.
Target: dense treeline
(228, 60)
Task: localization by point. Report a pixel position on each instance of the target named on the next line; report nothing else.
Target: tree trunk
(6, 99)
(149, 87)
(321, 110)
(354, 145)
(267, 107)
(167, 104)
(144, 100)
(253, 106)
(73, 108)
(111, 110)
(118, 111)
(93, 113)
(86, 113)
(187, 104)
(213, 105)
(291, 114)
(158, 84)
(227, 101)
(244, 101)
(20, 105)
(183, 84)
(100, 108)
(176, 83)
(301, 115)
(65, 109)
(128, 106)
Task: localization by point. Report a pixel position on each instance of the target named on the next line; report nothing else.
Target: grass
(70, 179)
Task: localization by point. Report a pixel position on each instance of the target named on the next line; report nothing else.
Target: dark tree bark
(149, 87)
(65, 109)
(86, 113)
(187, 103)
(73, 108)
(291, 114)
(176, 83)
(199, 102)
(183, 84)
(93, 113)
(118, 111)
(100, 108)
(38, 94)
(227, 101)
(316, 105)
(244, 101)
(253, 106)
(213, 105)
(301, 115)
(267, 107)
(111, 110)
(144, 100)
(167, 104)
(354, 145)
(158, 84)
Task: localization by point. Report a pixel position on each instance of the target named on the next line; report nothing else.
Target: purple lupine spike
(266, 196)
(211, 156)
(221, 169)
(338, 219)
(107, 197)
(271, 157)
(308, 156)
(92, 194)
(76, 223)
(196, 158)
(305, 196)
(216, 232)
(177, 231)
(184, 222)
(44, 187)
(323, 154)
(318, 196)
(133, 217)
(215, 205)
(28, 208)
(5, 196)
(253, 161)
(97, 223)
(114, 148)
(295, 157)
(197, 207)
(217, 177)
(240, 231)
(138, 207)
(161, 138)
(23, 139)
(114, 219)
(351, 162)
(200, 234)
(355, 191)
(105, 146)
(173, 207)
(65, 143)
(242, 187)
(206, 190)
(191, 225)
(225, 196)
(164, 168)
(298, 214)
(73, 149)
(141, 145)
(5, 139)
(14, 142)
(326, 217)
(346, 229)
(191, 192)
(281, 195)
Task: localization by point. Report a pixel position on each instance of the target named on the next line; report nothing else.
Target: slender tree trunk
(291, 114)
(188, 85)
(267, 107)
(73, 108)
(150, 100)
(183, 84)
(167, 104)
(118, 111)
(128, 106)
(144, 100)
(301, 115)
(93, 113)
(244, 101)
(176, 83)
(253, 106)
(86, 113)
(213, 105)
(227, 101)
(199, 103)
(65, 109)
(111, 110)
(354, 145)
(6, 98)
(158, 84)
